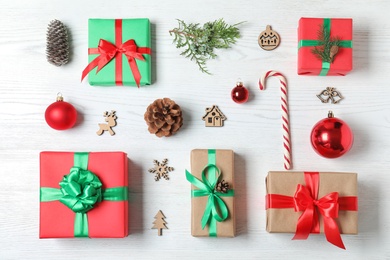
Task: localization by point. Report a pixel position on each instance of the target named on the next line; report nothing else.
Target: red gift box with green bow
(324, 46)
(83, 194)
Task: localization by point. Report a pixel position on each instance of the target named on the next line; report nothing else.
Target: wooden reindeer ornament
(110, 118)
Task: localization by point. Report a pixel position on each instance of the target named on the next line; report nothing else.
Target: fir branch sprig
(199, 42)
(328, 46)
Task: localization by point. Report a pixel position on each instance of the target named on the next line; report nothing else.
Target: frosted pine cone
(57, 43)
(164, 117)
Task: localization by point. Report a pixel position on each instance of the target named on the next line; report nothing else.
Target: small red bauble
(61, 115)
(239, 93)
(331, 137)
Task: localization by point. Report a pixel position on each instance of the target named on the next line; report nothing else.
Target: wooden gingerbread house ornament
(269, 39)
(213, 116)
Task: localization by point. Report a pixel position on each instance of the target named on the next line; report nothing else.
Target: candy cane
(286, 127)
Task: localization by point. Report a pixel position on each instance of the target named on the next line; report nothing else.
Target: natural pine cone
(57, 44)
(222, 186)
(333, 51)
(164, 117)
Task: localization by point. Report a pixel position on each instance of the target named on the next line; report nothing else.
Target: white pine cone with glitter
(163, 117)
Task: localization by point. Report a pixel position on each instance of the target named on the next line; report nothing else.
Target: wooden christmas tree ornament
(269, 39)
(159, 223)
(110, 118)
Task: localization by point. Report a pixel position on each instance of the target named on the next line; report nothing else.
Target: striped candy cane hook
(284, 104)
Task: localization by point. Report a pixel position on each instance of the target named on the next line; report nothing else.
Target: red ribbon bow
(108, 51)
(305, 199)
(327, 206)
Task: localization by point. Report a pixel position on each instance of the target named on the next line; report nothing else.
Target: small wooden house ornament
(213, 116)
(269, 39)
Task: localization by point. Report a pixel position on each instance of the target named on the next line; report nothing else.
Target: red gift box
(308, 63)
(107, 218)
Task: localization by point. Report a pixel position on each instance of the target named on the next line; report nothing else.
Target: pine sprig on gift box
(328, 46)
(199, 42)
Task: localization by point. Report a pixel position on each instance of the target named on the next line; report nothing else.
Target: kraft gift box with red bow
(312, 202)
(119, 52)
(83, 194)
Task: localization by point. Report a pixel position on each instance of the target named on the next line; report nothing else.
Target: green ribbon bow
(216, 209)
(80, 191)
(312, 43)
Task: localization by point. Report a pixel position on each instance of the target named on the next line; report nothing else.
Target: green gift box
(119, 52)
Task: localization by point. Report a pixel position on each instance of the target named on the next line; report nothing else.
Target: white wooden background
(28, 84)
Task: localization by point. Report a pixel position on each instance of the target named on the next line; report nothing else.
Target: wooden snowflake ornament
(161, 170)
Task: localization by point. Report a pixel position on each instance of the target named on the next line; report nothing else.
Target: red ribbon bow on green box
(108, 51)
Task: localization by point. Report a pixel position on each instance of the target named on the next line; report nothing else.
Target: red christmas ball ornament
(331, 137)
(61, 115)
(240, 94)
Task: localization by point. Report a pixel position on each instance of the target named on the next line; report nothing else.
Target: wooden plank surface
(28, 84)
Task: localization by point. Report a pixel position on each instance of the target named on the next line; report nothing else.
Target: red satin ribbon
(108, 51)
(305, 199)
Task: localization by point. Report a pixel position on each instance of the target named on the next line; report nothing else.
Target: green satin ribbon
(312, 43)
(80, 191)
(216, 209)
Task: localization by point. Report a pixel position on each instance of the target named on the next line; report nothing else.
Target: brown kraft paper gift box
(285, 183)
(224, 160)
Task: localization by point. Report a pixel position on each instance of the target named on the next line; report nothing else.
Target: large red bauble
(331, 137)
(61, 115)
(239, 93)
